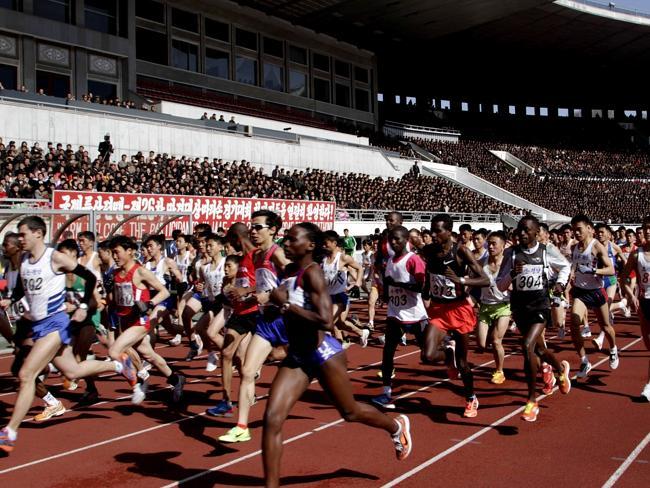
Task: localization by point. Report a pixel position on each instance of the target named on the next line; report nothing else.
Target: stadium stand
(33, 172)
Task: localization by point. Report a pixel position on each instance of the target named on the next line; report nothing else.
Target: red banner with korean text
(216, 211)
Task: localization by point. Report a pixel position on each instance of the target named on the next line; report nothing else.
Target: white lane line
(628, 461)
(481, 432)
(144, 431)
(322, 427)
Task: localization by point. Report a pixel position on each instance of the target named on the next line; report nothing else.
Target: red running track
(598, 434)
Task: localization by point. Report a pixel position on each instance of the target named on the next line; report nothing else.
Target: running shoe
(139, 394)
(383, 401)
(128, 370)
(382, 339)
(146, 365)
(565, 378)
(471, 407)
(370, 326)
(402, 438)
(613, 360)
(213, 360)
(561, 332)
(584, 370)
(176, 340)
(346, 344)
(585, 332)
(199, 344)
(89, 397)
(549, 379)
(6, 444)
(381, 375)
(627, 313)
(193, 351)
(530, 412)
(143, 374)
(645, 393)
(513, 327)
(50, 411)
(236, 434)
(498, 378)
(221, 409)
(403, 340)
(365, 333)
(70, 385)
(177, 389)
(598, 341)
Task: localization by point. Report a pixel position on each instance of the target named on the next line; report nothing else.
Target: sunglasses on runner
(259, 227)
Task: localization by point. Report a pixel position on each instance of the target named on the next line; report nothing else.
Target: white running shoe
(585, 332)
(199, 344)
(138, 395)
(382, 339)
(598, 341)
(146, 365)
(365, 333)
(213, 360)
(584, 370)
(176, 340)
(403, 340)
(613, 360)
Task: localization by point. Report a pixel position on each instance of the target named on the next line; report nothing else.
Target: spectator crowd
(605, 185)
(34, 172)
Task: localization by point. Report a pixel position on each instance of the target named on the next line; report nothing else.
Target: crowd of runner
(259, 292)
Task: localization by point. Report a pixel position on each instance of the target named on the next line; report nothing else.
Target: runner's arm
(350, 262)
(61, 262)
(173, 269)
(147, 278)
(559, 263)
(603, 258)
(504, 277)
(479, 279)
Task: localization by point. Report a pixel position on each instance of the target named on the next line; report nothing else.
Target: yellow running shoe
(530, 412)
(498, 378)
(380, 374)
(236, 434)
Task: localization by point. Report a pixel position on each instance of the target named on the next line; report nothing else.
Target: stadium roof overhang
(543, 42)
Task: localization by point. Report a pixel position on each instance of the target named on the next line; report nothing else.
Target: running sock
(11, 433)
(50, 400)
(242, 426)
(119, 367)
(584, 359)
(388, 391)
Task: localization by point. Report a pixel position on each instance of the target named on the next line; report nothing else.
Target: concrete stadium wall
(191, 112)
(32, 123)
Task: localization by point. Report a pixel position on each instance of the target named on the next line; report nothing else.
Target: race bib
(441, 287)
(644, 282)
(33, 286)
(18, 309)
(531, 278)
(124, 294)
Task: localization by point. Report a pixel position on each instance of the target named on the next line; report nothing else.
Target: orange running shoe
(530, 412)
(549, 379)
(565, 378)
(471, 408)
(402, 438)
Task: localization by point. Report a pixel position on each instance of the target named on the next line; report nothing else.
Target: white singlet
(183, 263)
(404, 305)
(44, 289)
(491, 295)
(213, 280)
(643, 274)
(585, 265)
(336, 279)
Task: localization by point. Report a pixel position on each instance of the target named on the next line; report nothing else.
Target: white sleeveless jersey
(491, 295)
(336, 279)
(297, 295)
(18, 309)
(366, 262)
(183, 263)
(643, 274)
(89, 267)
(213, 280)
(44, 289)
(403, 305)
(158, 270)
(585, 265)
